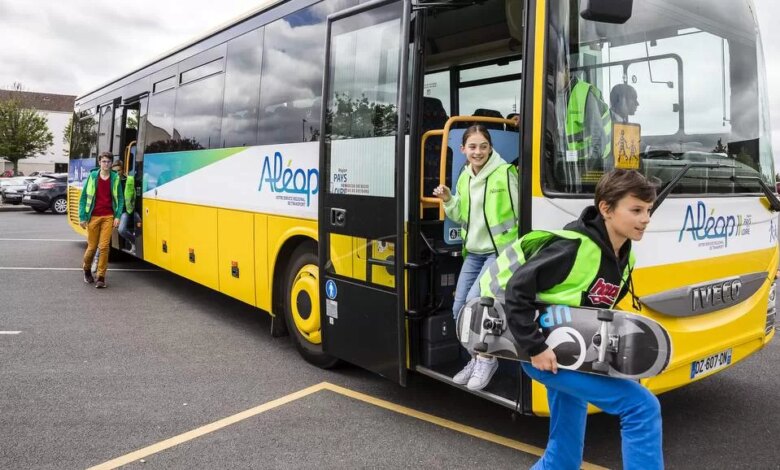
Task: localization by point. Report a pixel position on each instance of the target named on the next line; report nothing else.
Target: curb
(14, 208)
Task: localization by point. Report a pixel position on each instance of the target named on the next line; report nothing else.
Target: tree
(720, 148)
(81, 138)
(358, 117)
(23, 132)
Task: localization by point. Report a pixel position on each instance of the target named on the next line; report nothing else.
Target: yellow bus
(287, 160)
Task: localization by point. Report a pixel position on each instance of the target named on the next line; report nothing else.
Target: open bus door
(133, 125)
(362, 196)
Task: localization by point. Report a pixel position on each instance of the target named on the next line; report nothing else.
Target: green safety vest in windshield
(569, 292)
(498, 209)
(575, 121)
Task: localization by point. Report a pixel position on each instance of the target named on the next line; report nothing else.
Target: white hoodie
(478, 240)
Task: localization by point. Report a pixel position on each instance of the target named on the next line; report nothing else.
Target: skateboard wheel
(486, 301)
(605, 315)
(600, 366)
(480, 347)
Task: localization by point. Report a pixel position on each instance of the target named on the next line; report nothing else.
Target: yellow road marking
(222, 423)
(203, 430)
(445, 423)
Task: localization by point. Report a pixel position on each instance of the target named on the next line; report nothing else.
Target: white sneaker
(483, 372)
(462, 377)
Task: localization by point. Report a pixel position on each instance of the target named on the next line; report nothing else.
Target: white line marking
(129, 270)
(42, 240)
(9, 332)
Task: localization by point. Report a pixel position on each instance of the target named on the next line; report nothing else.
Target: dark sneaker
(88, 276)
(101, 283)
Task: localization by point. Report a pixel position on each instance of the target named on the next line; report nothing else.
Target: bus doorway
(130, 151)
(471, 73)
(361, 201)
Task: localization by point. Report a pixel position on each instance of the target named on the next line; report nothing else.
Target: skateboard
(596, 341)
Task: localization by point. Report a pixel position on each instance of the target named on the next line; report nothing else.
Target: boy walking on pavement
(100, 208)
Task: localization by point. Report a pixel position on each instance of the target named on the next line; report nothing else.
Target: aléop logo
(295, 185)
(713, 230)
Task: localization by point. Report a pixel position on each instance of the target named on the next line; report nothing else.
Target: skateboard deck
(635, 347)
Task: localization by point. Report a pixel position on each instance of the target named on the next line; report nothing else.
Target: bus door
(361, 200)
(132, 155)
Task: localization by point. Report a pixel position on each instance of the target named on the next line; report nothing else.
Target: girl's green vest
(498, 207)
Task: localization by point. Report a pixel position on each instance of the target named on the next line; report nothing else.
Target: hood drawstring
(635, 302)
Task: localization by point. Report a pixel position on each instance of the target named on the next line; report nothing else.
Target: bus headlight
(771, 311)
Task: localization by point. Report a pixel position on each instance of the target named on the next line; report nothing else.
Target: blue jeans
(126, 227)
(468, 280)
(568, 394)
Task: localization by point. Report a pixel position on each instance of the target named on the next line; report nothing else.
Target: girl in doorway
(485, 204)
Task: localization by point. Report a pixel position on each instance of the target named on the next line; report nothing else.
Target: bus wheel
(302, 306)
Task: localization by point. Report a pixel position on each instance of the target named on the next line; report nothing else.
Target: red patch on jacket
(603, 292)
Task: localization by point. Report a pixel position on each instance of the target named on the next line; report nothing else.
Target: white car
(12, 189)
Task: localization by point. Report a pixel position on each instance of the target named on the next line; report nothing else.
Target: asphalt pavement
(188, 378)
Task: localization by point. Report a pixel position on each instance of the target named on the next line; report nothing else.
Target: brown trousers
(99, 231)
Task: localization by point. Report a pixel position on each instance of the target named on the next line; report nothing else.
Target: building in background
(58, 110)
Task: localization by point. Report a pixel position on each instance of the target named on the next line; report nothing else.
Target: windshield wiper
(774, 202)
(668, 187)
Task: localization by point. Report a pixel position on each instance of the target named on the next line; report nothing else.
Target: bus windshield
(680, 82)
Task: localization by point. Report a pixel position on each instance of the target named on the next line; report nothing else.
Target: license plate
(710, 364)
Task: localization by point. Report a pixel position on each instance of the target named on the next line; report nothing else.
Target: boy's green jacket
(87, 200)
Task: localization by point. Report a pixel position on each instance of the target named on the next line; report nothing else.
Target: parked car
(12, 189)
(48, 192)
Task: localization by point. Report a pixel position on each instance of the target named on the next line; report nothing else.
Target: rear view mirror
(606, 11)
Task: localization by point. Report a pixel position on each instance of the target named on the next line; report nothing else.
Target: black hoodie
(551, 265)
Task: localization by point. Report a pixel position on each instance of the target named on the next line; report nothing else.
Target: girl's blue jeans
(468, 280)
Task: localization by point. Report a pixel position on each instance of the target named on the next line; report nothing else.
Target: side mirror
(607, 11)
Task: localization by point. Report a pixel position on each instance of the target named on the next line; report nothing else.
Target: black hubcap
(304, 305)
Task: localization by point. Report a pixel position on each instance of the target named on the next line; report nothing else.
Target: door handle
(338, 217)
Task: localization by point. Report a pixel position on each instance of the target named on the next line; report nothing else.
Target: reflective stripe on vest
(498, 207)
(575, 120)
(569, 292)
(90, 189)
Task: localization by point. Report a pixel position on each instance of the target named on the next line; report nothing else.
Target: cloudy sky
(73, 46)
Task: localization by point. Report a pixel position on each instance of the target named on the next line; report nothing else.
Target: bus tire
(302, 306)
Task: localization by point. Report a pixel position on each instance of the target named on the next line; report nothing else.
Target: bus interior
(472, 74)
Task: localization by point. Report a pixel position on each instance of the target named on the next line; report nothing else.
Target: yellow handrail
(428, 201)
(127, 155)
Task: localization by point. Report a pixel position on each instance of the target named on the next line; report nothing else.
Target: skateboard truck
(491, 324)
(610, 344)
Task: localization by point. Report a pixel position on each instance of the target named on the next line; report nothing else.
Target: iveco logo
(719, 293)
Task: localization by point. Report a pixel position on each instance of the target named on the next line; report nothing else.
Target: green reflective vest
(130, 194)
(575, 121)
(498, 206)
(88, 196)
(569, 292)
